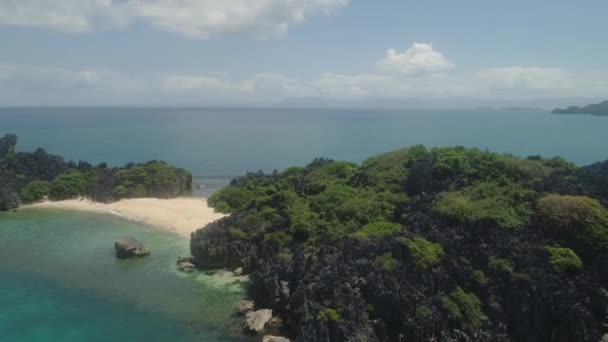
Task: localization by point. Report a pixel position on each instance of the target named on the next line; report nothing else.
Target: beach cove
(59, 268)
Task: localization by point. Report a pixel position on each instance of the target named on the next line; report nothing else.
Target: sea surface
(59, 280)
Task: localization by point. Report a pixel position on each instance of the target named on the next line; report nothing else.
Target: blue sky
(430, 53)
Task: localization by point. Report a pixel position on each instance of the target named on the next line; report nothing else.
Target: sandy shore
(179, 215)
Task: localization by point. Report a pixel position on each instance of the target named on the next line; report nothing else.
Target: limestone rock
(129, 248)
(244, 306)
(238, 272)
(255, 321)
(270, 338)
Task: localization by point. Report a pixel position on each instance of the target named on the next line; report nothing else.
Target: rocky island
(27, 177)
(593, 109)
(446, 244)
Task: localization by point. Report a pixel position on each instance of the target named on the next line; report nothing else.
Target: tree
(35, 191)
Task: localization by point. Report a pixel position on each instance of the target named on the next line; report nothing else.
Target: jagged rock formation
(255, 321)
(447, 244)
(9, 198)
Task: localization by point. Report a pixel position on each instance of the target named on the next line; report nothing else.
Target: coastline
(181, 215)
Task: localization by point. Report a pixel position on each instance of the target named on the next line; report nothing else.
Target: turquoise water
(228, 142)
(59, 281)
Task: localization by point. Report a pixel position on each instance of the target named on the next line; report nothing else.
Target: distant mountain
(522, 109)
(593, 109)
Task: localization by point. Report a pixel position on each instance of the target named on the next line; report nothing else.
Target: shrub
(278, 239)
(564, 259)
(230, 199)
(424, 312)
(386, 262)
(579, 217)
(378, 229)
(35, 190)
(508, 206)
(424, 254)
(450, 307)
(120, 192)
(67, 185)
(329, 315)
(500, 265)
(469, 305)
(479, 277)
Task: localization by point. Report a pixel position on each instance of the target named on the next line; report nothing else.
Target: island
(593, 109)
(445, 244)
(29, 177)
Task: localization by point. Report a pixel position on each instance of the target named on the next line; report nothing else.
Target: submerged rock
(255, 321)
(271, 338)
(244, 306)
(238, 272)
(130, 248)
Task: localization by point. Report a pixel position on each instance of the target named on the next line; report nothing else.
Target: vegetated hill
(447, 244)
(32, 176)
(593, 109)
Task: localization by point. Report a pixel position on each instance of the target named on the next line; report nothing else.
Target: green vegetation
(564, 259)
(378, 229)
(68, 185)
(423, 253)
(508, 206)
(479, 277)
(230, 199)
(35, 191)
(424, 312)
(329, 315)
(582, 218)
(500, 265)
(386, 262)
(469, 305)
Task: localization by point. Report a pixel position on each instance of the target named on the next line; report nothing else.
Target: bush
(68, 185)
(329, 315)
(378, 229)
(386, 262)
(564, 259)
(230, 199)
(424, 254)
(479, 277)
(469, 305)
(450, 307)
(35, 191)
(579, 217)
(499, 265)
(424, 312)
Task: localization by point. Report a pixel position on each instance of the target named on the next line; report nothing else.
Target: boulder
(270, 338)
(244, 306)
(238, 272)
(255, 321)
(130, 248)
(186, 266)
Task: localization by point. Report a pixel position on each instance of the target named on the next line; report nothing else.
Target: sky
(432, 53)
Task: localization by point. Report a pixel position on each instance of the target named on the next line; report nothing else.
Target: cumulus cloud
(419, 58)
(193, 18)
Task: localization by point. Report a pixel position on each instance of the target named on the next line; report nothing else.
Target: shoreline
(181, 215)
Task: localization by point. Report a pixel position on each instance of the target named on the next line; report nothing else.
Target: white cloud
(419, 58)
(192, 18)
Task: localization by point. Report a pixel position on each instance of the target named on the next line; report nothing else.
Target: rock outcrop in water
(255, 321)
(130, 248)
(448, 244)
(38, 175)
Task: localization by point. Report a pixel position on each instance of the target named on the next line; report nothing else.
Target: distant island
(522, 109)
(29, 177)
(592, 109)
(442, 244)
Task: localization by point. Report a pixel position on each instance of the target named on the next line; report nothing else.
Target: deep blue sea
(58, 278)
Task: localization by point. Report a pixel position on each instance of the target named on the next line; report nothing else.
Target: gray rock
(9, 198)
(604, 338)
(238, 272)
(182, 259)
(186, 266)
(270, 338)
(255, 321)
(130, 248)
(244, 306)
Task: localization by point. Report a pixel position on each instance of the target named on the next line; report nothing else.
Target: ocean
(58, 278)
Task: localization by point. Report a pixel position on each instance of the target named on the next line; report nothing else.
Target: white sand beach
(179, 215)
